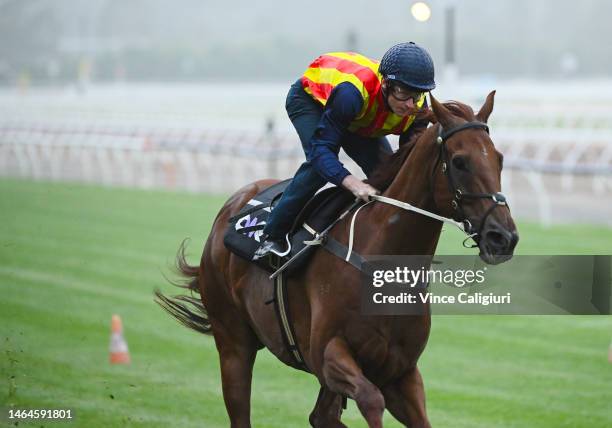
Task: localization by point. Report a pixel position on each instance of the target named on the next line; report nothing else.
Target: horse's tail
(187, 309)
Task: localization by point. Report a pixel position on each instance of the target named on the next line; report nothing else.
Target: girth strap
(281, 304)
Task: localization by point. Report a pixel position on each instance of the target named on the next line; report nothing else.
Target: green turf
(72, 255)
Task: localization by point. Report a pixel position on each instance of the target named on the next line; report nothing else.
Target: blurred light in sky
(420, 11)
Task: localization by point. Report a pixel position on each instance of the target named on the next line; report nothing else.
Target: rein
(403, 205)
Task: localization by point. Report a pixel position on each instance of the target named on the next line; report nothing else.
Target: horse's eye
(460, 163)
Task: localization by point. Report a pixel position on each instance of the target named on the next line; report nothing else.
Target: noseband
(460, 196)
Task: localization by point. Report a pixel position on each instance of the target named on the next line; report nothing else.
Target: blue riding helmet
(410, 64)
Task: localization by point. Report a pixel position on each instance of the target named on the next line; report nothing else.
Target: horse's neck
(401, 231)
(412, 182)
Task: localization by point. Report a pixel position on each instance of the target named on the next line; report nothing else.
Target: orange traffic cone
(119, 353)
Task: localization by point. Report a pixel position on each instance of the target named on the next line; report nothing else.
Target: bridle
(459, 196)
(459, 219)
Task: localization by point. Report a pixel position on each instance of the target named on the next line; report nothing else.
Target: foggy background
(190, 94)
(54, 41)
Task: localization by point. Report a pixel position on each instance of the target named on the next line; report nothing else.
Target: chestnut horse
(371, 359)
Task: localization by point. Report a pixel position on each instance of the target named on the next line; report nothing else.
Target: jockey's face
(401, 99)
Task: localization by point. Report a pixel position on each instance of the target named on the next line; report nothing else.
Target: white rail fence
(553, 174)
(556, 138)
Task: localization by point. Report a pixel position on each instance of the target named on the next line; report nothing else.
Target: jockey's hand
(358, 188)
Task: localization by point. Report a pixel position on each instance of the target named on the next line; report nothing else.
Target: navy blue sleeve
(344, 104)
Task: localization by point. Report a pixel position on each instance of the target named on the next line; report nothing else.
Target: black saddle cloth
(244, 232)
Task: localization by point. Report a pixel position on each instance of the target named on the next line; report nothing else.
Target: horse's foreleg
(406, 400)
(343, 375)
(327, 411)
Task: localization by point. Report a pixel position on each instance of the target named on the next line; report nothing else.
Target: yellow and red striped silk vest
(331, 69)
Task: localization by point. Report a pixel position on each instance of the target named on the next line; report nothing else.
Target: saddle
(245, 230)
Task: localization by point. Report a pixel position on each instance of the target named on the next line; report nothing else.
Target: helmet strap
(385, 94)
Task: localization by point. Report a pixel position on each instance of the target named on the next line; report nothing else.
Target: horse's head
(467, 178)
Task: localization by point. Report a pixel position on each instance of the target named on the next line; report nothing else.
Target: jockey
(346, 100)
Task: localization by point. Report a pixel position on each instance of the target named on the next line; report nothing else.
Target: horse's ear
(443, 115)
(487, 108)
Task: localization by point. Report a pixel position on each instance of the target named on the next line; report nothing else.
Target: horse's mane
(390, 164)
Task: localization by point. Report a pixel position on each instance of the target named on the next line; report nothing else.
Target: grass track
(71, 255)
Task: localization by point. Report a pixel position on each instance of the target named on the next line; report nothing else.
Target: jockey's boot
(280, 247)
